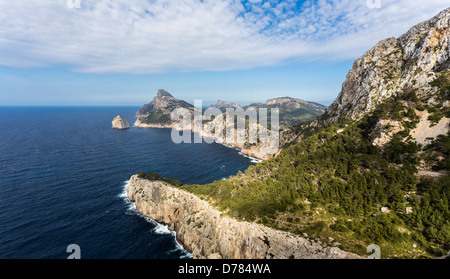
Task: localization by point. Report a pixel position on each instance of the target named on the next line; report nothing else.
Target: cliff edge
(207, 234)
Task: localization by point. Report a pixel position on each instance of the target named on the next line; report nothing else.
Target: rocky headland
(207, 233)
(157, 114)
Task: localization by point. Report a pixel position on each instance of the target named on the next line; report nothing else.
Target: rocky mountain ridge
(352, 174)
(156, 114)
(120, 123)
(374, 166)
(412, 71)
(292, 110)
(410, 62)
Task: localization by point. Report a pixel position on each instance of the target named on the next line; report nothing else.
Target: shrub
(155, 176)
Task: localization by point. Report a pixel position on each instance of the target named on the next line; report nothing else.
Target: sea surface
(63, 177)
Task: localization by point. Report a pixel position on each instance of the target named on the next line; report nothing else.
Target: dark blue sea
(63, 173)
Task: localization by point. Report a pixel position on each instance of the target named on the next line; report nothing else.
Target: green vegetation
(155, 176)
(157, 117)
(442, 82)
(334, 185)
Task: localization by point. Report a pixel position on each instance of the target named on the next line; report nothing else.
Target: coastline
(160, 228)
(207, 233)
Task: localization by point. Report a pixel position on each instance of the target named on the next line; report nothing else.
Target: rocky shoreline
(206, 233)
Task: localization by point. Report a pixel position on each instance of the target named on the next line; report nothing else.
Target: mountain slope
(351, 177)
(292, 111)
(157, 113)
(222, 105)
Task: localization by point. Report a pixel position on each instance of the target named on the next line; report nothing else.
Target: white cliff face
(207, 234)
(410, 61)
(120, 123)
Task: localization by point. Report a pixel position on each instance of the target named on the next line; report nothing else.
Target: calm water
(63, 172)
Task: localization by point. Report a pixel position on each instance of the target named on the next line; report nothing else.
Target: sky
(120, 52)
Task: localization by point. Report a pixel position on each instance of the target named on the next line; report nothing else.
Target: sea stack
(120, 123)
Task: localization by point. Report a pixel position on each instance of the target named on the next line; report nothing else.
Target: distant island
(372, 169)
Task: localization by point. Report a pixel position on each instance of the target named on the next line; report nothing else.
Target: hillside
(373, 168)
(157, 113)
(292, 110)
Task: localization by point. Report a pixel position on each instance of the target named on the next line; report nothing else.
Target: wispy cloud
(160, 36)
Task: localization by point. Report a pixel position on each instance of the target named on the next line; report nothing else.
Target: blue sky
(113, 52)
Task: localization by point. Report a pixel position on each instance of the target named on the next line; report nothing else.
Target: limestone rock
(412, 61)
(120, 123)
(202, 229)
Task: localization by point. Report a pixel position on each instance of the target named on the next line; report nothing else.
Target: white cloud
(191, 35)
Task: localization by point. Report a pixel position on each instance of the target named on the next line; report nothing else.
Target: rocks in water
(409, 62)
(120, 123)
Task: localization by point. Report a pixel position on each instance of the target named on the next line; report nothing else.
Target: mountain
(373, 169)
(120, 123)
(292, 110)
(157, 113)
(394, 66)
(412, 69)
(222, 105)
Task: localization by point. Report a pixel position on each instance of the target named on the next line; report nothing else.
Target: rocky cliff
(120, 123)
(410, 62)
(206, 233)
(412, 70)
(156, 114)
(351, 174)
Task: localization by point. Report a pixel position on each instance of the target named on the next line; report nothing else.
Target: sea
(63, 180)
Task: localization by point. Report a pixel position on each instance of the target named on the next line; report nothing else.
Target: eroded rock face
(385, 129)
(207, 234)
(410, 61)
(425, 132)
(120, 123)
